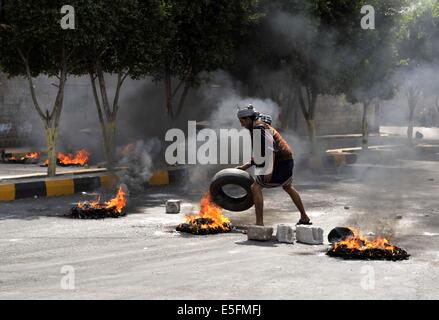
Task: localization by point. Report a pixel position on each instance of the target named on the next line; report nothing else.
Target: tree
(367, 77)
(418, 46)
(34, 44)
(3, 86)
(322, 46)
(312, 41)
(2, 25)
(120, 48)
(195, 37)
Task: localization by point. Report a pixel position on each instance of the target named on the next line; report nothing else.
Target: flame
(210, 211)
(117, 203)
(360, 242)
(81, 158)
(32, 155)
(92, 204)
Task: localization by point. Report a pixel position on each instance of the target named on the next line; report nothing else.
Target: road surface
(47, 256)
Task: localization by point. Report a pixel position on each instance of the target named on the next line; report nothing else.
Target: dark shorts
(282, 175)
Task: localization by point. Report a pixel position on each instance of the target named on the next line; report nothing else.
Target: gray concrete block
(259, 233)
(309, 234)
(285, 233)
(173, 206)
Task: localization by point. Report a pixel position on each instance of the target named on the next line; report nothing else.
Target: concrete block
(309, 234)
(173, 206)
(259, 233)
(285, 233)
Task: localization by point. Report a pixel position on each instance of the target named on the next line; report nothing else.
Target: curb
(338, 159)
(62, 186)
(55, 187)
(168, 176)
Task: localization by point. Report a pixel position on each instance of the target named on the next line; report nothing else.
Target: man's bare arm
(244, 166)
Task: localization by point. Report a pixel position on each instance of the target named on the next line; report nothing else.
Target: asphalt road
(47, 256)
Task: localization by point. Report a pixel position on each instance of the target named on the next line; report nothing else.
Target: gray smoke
(137, 161)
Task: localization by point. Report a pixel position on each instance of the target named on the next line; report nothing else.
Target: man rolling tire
(281, 172)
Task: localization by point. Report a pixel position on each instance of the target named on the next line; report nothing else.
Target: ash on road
(140, 256)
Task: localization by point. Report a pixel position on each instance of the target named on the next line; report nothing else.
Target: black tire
(339, 233)
(234, 177)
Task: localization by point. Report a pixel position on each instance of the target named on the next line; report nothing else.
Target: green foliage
(418, 39)
(196, 36)
(35, 31)
(118, 34)
(121, 33)
(368, 75)
(322, 45)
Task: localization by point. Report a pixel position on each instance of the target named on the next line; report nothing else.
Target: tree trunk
(183, 98)
(410, 124)
(413, 94)
(107, 114)
(365, 127)
(51, 138)
(296, 118)
(436, 101)
(308, 103)
(110, 143)
(286, 116)
(312, 133)
(168, 94)
(377, 116)
(51, 119)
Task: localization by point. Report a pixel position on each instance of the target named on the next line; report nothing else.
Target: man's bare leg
(259, 203)
(297, 201)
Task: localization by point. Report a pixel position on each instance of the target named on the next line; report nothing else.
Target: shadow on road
(257, 243)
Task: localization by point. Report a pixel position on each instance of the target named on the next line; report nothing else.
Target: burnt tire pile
(61, 164)
(200, 226)
(341, 250)
(89, 212)
(23, 161)
(65, 165)
(232, 177)
(368, 254)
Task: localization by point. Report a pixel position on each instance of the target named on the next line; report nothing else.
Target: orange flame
(360, 242)
(81, 158)
(32, 155)
(117, 203)
(210, 211)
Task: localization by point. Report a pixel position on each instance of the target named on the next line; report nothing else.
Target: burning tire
(354, 246)
(113, 208)
(339, 233)
(233, 177)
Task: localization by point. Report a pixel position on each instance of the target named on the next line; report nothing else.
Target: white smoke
(138, 163)
(225, 97)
